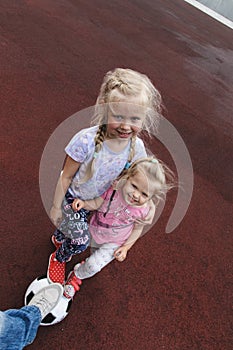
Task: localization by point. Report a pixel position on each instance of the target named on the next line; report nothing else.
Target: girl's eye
(145, 194)
(134, 186)
(135, 119)
(118, 117)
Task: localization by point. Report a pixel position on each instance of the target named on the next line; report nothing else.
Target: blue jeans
(18, 328)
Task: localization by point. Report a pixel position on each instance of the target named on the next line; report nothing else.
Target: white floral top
(108, 164)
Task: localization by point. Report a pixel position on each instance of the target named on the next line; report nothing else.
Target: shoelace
(43, 304)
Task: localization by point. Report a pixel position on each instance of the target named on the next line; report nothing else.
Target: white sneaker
(47, 298)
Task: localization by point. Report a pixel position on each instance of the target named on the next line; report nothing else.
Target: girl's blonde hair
(128, 83)
(154, 170)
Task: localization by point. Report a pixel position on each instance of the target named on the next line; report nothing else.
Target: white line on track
(211, 13)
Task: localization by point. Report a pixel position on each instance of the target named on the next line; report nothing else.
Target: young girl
(114, 226)
(127, 103)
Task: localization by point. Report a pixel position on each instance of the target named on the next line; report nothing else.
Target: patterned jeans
(73, 233)
(101, 255)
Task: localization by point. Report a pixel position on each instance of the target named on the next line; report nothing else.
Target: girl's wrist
(127, 247)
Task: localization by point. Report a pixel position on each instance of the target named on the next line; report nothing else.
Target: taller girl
(127, 103)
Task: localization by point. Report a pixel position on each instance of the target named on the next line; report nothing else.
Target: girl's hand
(121, 253)
(78, 204)
(56, 215)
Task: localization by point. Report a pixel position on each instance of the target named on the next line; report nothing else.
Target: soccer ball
(61, 309)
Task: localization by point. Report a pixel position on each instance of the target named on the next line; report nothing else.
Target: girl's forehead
(146, 182)
(127, 108)
(126, 104)
(140, 177)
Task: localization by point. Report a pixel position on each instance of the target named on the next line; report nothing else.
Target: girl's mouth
(132, 200)
(123, 135)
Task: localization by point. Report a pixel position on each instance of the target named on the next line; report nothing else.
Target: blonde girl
(127, 103)
(117, 222)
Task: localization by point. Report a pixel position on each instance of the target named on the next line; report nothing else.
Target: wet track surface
(174, 290)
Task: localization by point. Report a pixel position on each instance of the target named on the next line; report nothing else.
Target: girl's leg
(56, 268)
(57, 260)
(70, 239)
(69, 248)
(59, 236)
(96, 262)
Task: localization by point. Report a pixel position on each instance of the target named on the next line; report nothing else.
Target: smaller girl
(120, 212)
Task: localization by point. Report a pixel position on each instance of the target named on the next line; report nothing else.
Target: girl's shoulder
(108, 193)
(139, 142)
(140, 150)
(82, 144)
(140, 212)
(85, 133)
(84, 137)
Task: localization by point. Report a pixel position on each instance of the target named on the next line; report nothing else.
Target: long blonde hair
(128, 83)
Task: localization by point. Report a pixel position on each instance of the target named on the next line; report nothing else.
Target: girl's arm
(121, 253)
(69, 170)
(91, 204)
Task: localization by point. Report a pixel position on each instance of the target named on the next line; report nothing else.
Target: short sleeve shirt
(113, 221)
(108, 164)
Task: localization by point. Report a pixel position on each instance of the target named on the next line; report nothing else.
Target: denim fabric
(18, 327)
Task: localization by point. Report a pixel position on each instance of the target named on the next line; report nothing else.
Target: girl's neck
(117, 145)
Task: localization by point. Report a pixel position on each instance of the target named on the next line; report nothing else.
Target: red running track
(174, 290)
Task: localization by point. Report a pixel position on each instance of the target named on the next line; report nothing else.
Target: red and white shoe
(56, 270)
(72, 285)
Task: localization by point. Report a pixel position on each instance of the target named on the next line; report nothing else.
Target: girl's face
(125, 118)
(138, 189)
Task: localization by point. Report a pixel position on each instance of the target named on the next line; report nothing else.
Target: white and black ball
(60, 311)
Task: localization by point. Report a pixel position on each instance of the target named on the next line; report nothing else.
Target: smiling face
(125, 117)
(138, 189)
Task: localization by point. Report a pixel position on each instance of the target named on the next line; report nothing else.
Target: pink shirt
(119, 221)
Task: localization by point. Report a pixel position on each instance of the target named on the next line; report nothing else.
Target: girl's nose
(135, 195)
(125, 126)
